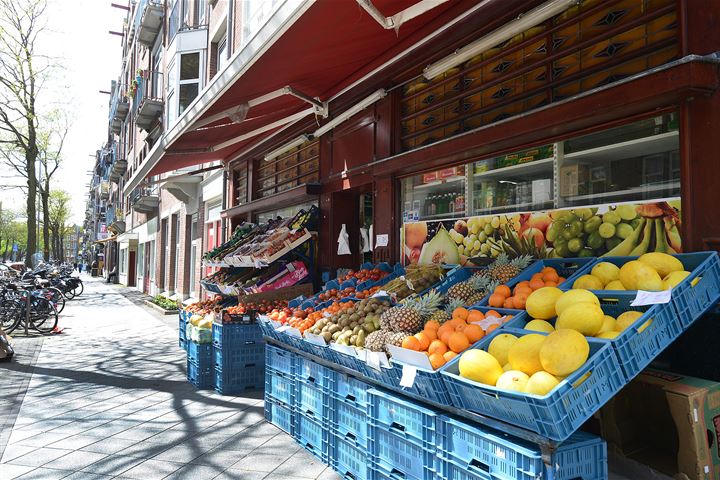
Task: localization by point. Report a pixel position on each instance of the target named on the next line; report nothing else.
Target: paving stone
(14, 451)
(195, 472)
(39, 457)
(113, 465)
(261, 462)
(241, 475)
(75, 460)
(301, 464)
(153, 470)
(14, 471)
(45, 474)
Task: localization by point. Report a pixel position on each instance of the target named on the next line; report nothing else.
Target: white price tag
(327, 314)
(373, 360)
(346, 349)
(381, 294)
(283, 328)
(258, 264)
(263, 318)
(651, 298)
(408, 376)
(488, 322)
(382, 240)
(315, 339)
(275, 324)
(294, 332)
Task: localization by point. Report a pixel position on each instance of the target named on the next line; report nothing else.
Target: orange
(508, 303)
(411, 343)
(460, 312)
(492, 313)
(523, 289)
(445, 327)
(430, 334)
(432, 325)
(507, 318)
(473, 333)
(449, 355)
(550, 276)
(551, 284)
(496, 300)
(437, 346)
(524, 283)
(437, 360)
(519, 301)
(490, 329)
(423, 340)
(458, 342)
(475, 316)
(537, 283)
(536, 276)
(548, 269)
(503, 290)
(561, 280)
(445, 336)
(460, 327)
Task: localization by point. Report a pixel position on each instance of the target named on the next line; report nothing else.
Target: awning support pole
(396, 21)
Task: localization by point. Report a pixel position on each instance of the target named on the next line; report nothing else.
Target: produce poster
(608, 230)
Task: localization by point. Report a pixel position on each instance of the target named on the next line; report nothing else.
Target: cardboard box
(573, 180)
(669, 422)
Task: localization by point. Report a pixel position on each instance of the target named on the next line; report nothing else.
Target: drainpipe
(223, 221)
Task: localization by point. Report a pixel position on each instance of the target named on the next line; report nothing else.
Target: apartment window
(166, 255)
(222, 59)
(151, 263)
(202, 8)
(140, 264)
(123, 259)
(189, 80)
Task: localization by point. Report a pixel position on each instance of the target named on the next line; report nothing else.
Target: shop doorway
(354, 209)
(366, 230)
(146, 269)
(132, 268)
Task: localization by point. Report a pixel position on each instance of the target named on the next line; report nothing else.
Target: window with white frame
(189, 83)
(222, 59)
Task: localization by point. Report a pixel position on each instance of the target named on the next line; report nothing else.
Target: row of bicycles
(33, 300)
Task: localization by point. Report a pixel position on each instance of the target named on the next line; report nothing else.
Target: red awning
(333, 44)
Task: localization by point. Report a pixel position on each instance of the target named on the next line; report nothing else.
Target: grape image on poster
(607, 230)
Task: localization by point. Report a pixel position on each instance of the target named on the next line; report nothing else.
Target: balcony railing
(119, 106)
(178, 22)
(148, 21)
(148, 99)
(145, 198)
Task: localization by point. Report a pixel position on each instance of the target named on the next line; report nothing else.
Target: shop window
(240, 185)
(297, 167)
(588, 46)
(288, 212)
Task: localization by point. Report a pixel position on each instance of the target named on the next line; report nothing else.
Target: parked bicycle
(22, 304)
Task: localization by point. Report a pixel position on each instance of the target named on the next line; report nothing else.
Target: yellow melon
(574, 296)
(663, 263)
(672, 279)
(539, 326)
(500, 345)
(524, 355)
(563, 352)
(513, 380)
(607, 335)
(628, 318)
(479, 366)
(636, 275)
(589, 282)
(606, 272)
(615, 285)
(540, 304)
(541, 383)
(586, 318)
(608, 325)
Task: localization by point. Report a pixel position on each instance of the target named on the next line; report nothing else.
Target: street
(108, 398)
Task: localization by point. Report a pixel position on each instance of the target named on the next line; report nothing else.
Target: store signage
(651, 298)
(410, 357)
(382, 240)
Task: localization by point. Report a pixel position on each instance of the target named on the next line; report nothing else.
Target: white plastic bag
(343, 242)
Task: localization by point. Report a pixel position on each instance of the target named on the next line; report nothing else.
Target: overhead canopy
(328, 47)
(106, 240)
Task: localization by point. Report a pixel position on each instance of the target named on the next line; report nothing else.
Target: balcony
(148, 100)
(104, 190)
(145, 199)
(148, 21)
(116, 221)
(178, 22)
(118, 170)
(119, 103)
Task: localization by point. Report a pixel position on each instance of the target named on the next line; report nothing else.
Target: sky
(77, 35)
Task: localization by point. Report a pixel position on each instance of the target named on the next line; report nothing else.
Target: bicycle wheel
(80, 286)
(11, 314)
(67, 292)
(44, 317)
(56, 297)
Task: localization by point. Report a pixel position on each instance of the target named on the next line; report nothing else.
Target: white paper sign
(488, 322)
(408, 376)
(315, 339)
(381, 294)
(372, 360)
(346, 349)
(283, 328)
(275, 324)
(651, 298)
(410, 357)
(293, 332)
(382, 240)
(263, 318)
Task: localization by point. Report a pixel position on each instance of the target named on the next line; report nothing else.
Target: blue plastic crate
(394, 457)
(351, 390)
(350, 460)
(201, 354)
(348, 361)
(351, 422)
(470, 451)
(308, 371)
(634, 350)
(250, 355)
(403, 417)
(266, 328)
(280, 386)
(384, 376)
(556, 415)
(312, 400)
(239, 380)
(202, 377)
(280, 360)
(233, 335)
(182, 325)
(279, 414)
(182, 343)
(428, 384)
(321, 351)
(313, 436)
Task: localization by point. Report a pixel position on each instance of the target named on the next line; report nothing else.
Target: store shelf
(623, 193)
(516, 207)
(519, 170)
(640, 147)
(439, 183)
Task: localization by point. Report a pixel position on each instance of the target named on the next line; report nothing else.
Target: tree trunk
(30, 160)
(45, 196)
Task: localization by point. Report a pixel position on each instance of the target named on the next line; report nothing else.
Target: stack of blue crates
(239, 353)
(200, 365)
(182, 337)
(314, 385)
(366, 433)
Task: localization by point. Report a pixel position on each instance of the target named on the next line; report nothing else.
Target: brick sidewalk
(109, 399)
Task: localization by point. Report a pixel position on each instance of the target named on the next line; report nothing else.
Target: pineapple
(396, 338)
(401, 319)
(469, 289)
(375, 341)
(440, 316)
(503, 270)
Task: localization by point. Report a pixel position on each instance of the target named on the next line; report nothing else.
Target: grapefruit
(479, 366)
(636, 275)
(540, 304)
(563, 352)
